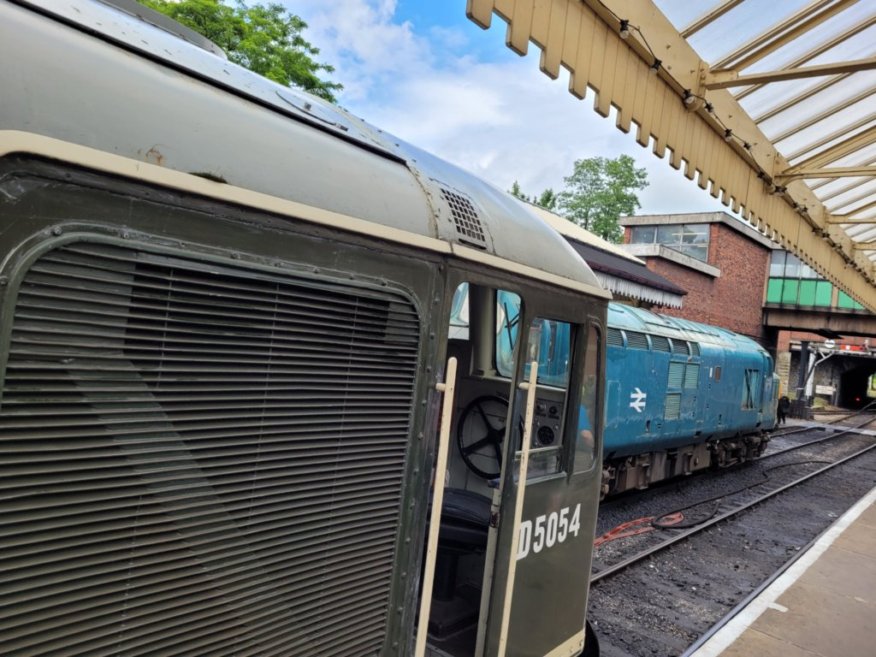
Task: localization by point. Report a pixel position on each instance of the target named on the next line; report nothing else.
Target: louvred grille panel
(200, 459)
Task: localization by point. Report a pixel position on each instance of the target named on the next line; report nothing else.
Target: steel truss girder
(732, 78)
(815, 52)
(583, 37)
(832, 172)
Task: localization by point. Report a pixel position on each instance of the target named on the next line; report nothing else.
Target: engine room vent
(615, 339)
(680, 347)
(691, 377)
(694, 349)
(660, 343)
(465, 218)
(673, 406)
(676, 375)
(637, 340)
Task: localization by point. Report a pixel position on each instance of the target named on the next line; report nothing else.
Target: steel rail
(835, 434)
(610, 501)
(639, 556)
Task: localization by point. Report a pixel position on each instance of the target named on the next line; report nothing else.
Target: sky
(424, 72)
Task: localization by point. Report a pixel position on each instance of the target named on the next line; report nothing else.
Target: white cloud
(502, 121)
(360, 39)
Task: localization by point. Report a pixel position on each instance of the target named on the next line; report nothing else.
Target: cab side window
(588, 428)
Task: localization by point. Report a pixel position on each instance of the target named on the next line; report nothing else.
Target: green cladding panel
(774, 290)
(823, 293)
(790, 290)
(807, 293)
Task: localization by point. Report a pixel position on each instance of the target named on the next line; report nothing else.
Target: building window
(689, 239)
(643, 234)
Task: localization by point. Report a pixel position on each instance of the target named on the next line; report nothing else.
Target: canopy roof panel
(810, 120)
(767, 105)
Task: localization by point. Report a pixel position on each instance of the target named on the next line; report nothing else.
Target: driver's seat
(465, 521)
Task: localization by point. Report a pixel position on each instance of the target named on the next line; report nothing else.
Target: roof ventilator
(465, 218)
(636, 340)
(615, 339)
(680, 347)
(660, 343)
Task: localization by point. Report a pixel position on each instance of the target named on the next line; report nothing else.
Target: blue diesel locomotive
(680, 397)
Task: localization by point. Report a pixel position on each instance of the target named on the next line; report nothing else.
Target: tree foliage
(599, 191)
(547, 199)
(266, 39)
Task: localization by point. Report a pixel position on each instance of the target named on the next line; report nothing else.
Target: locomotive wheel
(479, 435)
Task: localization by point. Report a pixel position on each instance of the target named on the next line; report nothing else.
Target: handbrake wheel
(479, 435)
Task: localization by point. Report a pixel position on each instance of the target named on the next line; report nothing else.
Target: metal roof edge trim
(489, 259)
(27, 143)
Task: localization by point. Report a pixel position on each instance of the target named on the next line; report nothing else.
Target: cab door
(541, 545)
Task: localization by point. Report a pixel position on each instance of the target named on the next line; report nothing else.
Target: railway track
(632, 572)
(870, 418)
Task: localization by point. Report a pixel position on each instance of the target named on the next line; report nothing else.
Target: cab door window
(550, 345)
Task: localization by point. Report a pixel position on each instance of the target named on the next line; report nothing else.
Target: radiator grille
(199, 459)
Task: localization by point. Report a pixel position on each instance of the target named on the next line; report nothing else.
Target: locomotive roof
(637, 319)
(255, 142)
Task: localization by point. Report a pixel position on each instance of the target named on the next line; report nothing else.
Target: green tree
(599, 191)
(266, 39)
(547, 199)
(517, 192)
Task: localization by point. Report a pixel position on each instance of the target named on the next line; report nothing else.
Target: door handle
(449, 390)
(530, 388)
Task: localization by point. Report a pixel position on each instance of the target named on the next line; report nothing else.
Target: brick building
(722, 263)
(738, 279)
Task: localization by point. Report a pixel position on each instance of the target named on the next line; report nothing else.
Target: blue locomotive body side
(673, 384)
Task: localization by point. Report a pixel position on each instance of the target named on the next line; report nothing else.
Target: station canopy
(768, 105)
